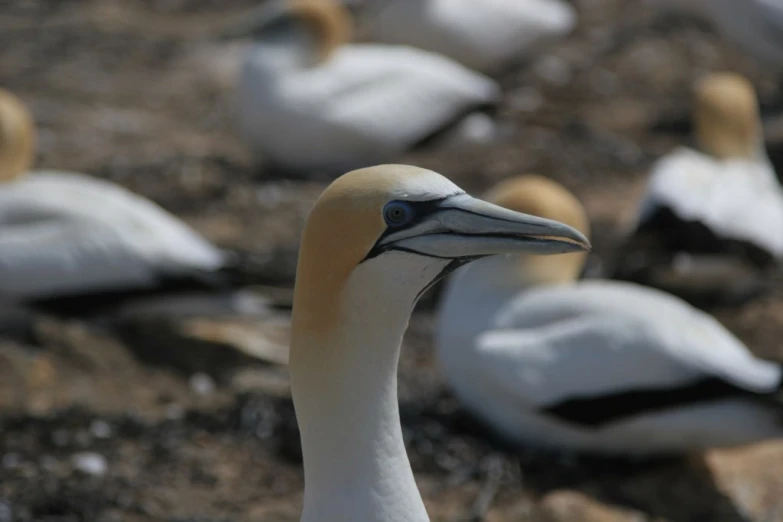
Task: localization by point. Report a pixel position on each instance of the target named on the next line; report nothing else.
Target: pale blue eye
(397, 213)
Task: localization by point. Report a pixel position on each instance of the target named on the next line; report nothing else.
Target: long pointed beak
(466, 227)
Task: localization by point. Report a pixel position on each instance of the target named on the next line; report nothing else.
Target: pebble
(554, 70)
(90, 463)
(61, 438)
(526, 99)
(47, 463)
(100, 429)
(174, 411)
(201, 384)
(11, 460)
(6, 512)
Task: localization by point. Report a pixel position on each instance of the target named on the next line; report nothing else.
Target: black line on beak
(421, 211)
(448, 269)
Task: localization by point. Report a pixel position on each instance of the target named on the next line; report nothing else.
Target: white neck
(344, 387)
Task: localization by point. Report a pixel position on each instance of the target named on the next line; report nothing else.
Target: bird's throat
(356, 467)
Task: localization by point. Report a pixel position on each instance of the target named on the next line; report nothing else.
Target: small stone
(526, 99)
(61, 438)
(11, 461)
(90, 463)
(174, 411)
(47, 463)
(554, 70)
(82, 439)
(201, 384)
(100, 429)
(478, 128)
(6, 511)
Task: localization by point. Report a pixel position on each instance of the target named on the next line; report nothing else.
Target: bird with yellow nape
(375, 240)
(707, 227)
(595, 366)
(72, 244)
(302, 81)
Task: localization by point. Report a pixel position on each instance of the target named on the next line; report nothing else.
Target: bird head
(539, 196)
(726, 117)
(17, 137)
(379, 237)
(321, 25)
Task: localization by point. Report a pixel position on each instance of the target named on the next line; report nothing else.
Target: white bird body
(755, 26)
(484, 36)
(609, 347)
(362, 105)
(66, 233)
(707, 227)
(595, 366)
(736, 198)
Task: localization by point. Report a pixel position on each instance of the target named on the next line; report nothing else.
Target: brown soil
(127, 90)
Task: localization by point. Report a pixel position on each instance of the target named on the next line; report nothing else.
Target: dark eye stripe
(420, 209)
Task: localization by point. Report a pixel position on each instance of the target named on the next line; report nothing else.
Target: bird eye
(397, 214)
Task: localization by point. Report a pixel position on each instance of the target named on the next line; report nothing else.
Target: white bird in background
(709, 223)
(376, 239)
(66, 235)
(754, 26)
(351, 104)
(595, 366)
(485, 36)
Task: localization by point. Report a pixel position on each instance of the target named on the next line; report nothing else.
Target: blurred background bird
(75, 244)
(489, 37)
(303, 81)
(707, 225)
(595, 366)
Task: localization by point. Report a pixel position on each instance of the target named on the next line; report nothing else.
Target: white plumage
(309, 100)
(365, 104)
(64, 233)
(598, 366)
(736, 198)
(484, 36)
(707, 228)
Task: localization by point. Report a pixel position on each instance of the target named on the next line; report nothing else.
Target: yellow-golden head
(726, 117)
(17, 137)
(330, 22)
(540, 196)
(383, 235)
(321, 26)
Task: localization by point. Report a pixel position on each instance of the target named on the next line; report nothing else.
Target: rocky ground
(98, 426)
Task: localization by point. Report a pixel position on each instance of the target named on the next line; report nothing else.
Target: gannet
(65, 234)
(352, 104)
(375, 240)
(708, 224)
(486, 36)
(595, 366)
(754, 26)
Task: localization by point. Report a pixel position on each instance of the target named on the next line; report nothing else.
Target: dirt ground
(91, 429)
